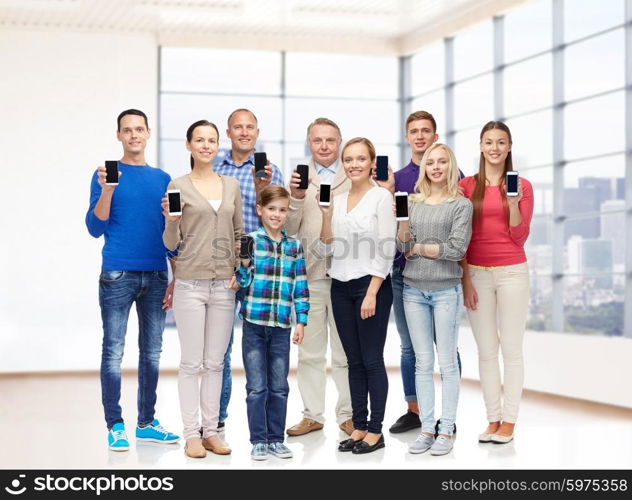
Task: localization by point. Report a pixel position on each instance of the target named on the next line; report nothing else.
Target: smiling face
(243, 132)
(274, 213)
(495, 146)
(438, 166)
(420, 135)
(357, 162)
(133, 134)
(204, 144)
(324, 144)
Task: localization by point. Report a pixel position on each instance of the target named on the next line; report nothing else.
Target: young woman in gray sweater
(434, 240)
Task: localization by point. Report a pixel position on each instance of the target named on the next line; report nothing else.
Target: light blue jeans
(433, 316)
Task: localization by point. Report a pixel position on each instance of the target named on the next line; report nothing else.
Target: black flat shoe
(364, 447)
(347, 444)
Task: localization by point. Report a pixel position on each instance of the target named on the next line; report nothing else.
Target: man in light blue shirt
(243, 132)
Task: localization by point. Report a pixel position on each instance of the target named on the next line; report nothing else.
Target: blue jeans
(227, 379)
(363, 341)
(118, 290)
(266, 353)
(407, 359)
(435, 314)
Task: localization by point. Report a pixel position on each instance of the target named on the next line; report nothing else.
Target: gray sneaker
(280, 450)
(259, 451)
(421, 444)
(442, 446)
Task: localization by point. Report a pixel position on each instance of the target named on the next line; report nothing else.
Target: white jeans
(499, 320)
(204, 312)
(312, 357)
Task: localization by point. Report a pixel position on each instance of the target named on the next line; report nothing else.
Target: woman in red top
(496, 279)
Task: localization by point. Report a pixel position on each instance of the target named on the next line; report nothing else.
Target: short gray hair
(324, 121)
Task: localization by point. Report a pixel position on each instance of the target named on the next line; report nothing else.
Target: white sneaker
(421, 444)
(442, 446)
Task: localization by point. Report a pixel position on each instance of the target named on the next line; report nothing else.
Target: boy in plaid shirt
(273, 280)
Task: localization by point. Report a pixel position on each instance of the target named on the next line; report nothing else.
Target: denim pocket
(111, 276)
(163, 276)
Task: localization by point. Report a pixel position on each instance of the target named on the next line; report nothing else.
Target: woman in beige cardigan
(204, 295)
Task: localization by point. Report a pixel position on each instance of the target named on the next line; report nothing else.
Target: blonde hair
(360, 140)
(422, 187)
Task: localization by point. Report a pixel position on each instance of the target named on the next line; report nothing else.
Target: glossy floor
(56, 422)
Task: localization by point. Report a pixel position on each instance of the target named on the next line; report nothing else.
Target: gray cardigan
(448, 224)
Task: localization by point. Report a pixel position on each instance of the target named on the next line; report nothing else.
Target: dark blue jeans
(266, 352)
(363, 341)
(118, 290)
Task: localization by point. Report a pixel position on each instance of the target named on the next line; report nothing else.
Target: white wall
(60, 94)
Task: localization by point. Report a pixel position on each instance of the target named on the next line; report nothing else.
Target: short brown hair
(421, 115)
(239, 111)
(360, 140)
(323, 121)
(270, 193)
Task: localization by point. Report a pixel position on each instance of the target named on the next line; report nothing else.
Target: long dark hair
(193, 126)
(480, 179)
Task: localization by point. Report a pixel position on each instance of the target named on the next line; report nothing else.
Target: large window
(568, 127)
(504, 70)
(285, 91)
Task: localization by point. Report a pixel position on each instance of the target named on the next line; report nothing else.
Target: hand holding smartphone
(246, 248)
(303, 171)
(261, 160)
(511, 183)
(175, 202)
(324, 196)
(401, 205)
(111, 173)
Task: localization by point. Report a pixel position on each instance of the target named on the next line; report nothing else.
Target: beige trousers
(312, 357)
(204, 313)
(499, 321)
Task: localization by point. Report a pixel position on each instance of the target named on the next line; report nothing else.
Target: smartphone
(511, 183)
(303, 171)
(381, 167)
(111, 173)
(175, 206)
(401, 205)
(325, 195)
(246, 248)
(261, 160)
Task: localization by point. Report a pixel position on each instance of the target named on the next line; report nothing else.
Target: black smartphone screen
(512, 183)
(246, 247)
(325, 193)
(401, 206)
(303, 171)
(260, 164)
(111, 172)
(174, 202)
(381, 165)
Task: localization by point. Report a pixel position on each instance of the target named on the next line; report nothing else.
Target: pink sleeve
(466, 185)
(520, 233)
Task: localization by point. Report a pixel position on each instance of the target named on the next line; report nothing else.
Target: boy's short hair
(270, 193)
(421, 115)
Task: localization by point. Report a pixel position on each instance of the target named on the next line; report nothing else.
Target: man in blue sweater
(134, 270)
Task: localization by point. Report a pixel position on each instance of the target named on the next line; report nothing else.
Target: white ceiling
(383, 26)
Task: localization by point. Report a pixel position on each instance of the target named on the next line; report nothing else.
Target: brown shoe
(219, 448)
(194, 449)
(304, 426)
(347, 426)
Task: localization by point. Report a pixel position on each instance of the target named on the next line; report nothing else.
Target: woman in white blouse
(358, 232)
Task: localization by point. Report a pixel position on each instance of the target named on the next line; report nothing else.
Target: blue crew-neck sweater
(133, 233)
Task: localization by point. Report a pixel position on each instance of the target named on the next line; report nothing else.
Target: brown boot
(216, 445)
(194, 449)
(304, 426)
